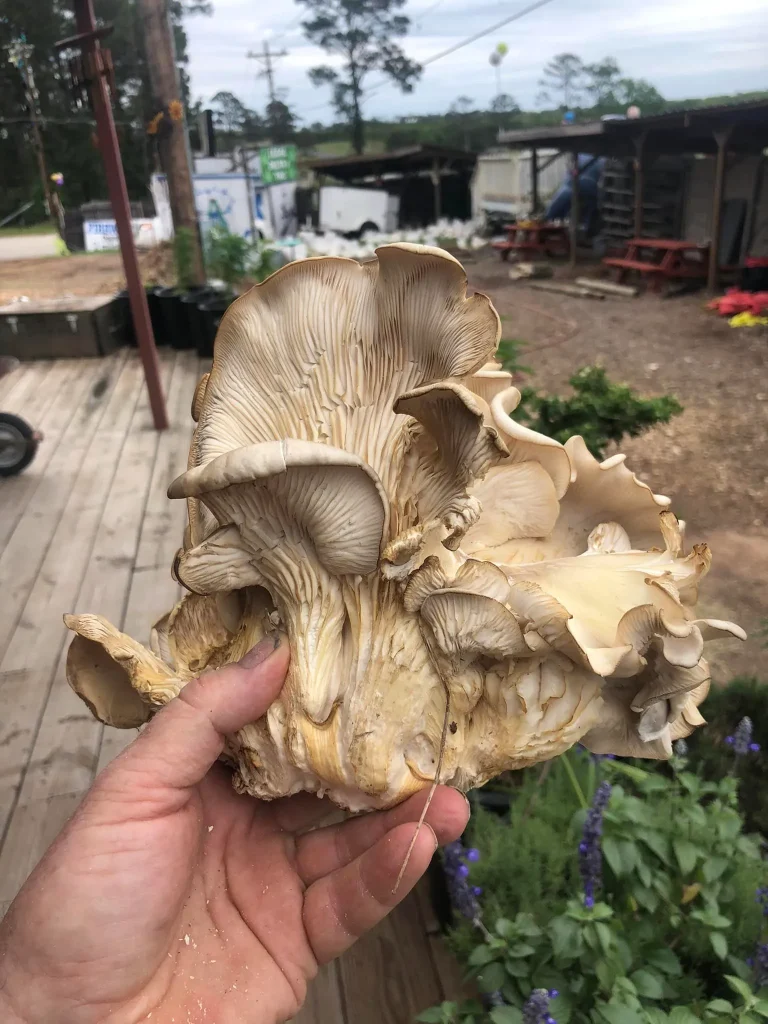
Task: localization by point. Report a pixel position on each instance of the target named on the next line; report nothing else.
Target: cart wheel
(18, 444)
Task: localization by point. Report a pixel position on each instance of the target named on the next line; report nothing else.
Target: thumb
(178, 747)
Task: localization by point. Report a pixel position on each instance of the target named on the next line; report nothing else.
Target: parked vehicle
(355, 211)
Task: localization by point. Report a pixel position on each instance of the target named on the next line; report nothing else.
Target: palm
(169, 894)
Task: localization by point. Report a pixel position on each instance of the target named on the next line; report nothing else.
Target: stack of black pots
(180, 318)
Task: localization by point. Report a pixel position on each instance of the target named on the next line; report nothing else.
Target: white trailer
(354, 211)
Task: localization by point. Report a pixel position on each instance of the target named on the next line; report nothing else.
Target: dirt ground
(87, 274)
(712, 460)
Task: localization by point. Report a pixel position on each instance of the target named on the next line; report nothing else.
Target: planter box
(60, 328)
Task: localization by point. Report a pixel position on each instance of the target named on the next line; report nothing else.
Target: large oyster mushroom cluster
(356, 481)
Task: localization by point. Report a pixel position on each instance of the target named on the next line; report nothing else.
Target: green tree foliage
(362, 33)
(68, 131)
(562, 80)
(280, 122)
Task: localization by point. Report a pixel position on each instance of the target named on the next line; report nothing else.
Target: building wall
(739, 183)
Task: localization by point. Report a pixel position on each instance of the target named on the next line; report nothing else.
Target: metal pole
(722, 138)
(118, 197)
(575, 210)
(248, 191)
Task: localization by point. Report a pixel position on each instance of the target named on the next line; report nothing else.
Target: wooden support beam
(721, 138)
(575, 207)
(639, 164)
(754, 204)
(534, 181)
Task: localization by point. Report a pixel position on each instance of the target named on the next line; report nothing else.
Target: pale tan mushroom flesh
(357, 482)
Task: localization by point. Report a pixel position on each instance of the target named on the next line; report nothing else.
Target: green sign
(278, 163)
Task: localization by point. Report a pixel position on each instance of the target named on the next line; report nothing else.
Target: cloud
(686, 48)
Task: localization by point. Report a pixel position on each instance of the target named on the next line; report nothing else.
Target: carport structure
(722, 132)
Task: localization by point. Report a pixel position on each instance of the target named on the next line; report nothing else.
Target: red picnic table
(535, 238)
(666, 259)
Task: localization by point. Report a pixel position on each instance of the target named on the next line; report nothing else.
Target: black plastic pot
(194, 317)
(212, 311)
(174, 330)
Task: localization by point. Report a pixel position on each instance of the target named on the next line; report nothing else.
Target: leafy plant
(232, 257)
(600, 410)
(184, 257)
(656, 926)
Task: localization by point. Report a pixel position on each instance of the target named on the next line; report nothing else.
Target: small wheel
(18, 444)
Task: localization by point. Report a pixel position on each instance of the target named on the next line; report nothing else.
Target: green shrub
(600, 410)
(669, 932)
(232, 257)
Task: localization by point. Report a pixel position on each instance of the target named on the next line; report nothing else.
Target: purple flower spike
(462, 871)
(590, 851)
(536, 1010)
(463, 897)
(473, 855)
(553, 993)
(754, 747)
(477, 890)
(729, 740)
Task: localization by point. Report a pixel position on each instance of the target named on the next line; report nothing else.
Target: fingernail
(260, 652)
(426, 825)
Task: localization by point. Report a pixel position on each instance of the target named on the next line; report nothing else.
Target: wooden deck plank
(61, 407)
(28, 664)
(388, 976)
(23, 383)
(153, 591)
(25, 550)
(66, 745)
(10, 380)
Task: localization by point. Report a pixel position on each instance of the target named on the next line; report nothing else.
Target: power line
(452, 49)
(470, 39)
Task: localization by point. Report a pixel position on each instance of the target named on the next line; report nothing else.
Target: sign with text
(278, 164)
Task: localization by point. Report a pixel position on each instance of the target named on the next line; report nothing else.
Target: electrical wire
(451, 49)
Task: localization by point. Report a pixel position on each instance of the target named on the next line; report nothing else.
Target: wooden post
(534, 181)
(575, 207)
(171, 134)
(437, 189)
(757, 188)
(721, 138)
(639, 183)
(121, 208)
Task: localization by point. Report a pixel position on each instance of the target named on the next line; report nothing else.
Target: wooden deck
(87, 527)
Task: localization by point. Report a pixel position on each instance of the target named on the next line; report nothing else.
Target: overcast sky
(684, 47)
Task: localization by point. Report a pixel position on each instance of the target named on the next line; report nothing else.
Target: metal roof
(409, 159)
(689, 130)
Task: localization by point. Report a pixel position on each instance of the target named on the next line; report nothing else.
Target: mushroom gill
(356, 480)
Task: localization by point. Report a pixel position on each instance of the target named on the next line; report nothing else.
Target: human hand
(169, 897)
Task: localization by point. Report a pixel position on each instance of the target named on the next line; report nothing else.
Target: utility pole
(19, 53)
(171, 127)
(266, 58)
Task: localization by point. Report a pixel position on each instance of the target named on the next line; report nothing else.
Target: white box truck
(354, 211)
